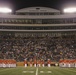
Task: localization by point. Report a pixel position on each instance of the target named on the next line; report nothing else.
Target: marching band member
(49, 62)
(39, 63)
(31, 63)
(42, 62)
(25, 62)
(35, 62)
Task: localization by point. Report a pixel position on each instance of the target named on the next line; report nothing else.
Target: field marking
(49, 71)
(28, 71)
(45, 72)
(41, 71)
(37, 71)
(70, 70)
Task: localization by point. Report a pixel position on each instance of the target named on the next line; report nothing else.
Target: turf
(38, 71)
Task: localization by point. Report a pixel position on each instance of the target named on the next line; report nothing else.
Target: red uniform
(39, 63)
(31, 63)
(49, 62)
(35, 62)
(42, 62)
(25, 62)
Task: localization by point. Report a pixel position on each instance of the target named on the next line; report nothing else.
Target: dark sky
(18, 4)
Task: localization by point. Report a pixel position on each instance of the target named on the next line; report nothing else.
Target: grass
(38, 71)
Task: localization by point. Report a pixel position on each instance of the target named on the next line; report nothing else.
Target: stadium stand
(37, 36)
(54, 48)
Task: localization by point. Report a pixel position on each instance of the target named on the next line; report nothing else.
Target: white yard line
(49, 71)
(28, 71)
(41, 71)
(37, 71)
(45, 72)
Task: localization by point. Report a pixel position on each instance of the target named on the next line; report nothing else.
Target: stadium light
(70, 10)
(5, 10)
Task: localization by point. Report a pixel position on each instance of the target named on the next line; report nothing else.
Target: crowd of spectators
(53, 48)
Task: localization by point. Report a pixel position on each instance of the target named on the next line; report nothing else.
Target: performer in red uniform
(35, 62)
(49, 63)
(25, 62)
(39, 63)
(31, 63)
(42, 62)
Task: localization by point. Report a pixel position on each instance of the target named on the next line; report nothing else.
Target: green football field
(38, 71)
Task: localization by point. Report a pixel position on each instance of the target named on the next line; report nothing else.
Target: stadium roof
(38, 9)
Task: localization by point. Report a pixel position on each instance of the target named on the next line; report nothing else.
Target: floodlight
(5, 10)
(70, 10)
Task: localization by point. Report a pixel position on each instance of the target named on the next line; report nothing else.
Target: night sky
(18, 4)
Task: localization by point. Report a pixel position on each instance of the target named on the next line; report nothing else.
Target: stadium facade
(38, 19)
(39, 25)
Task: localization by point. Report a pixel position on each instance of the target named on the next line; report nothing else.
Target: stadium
(38, 41)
